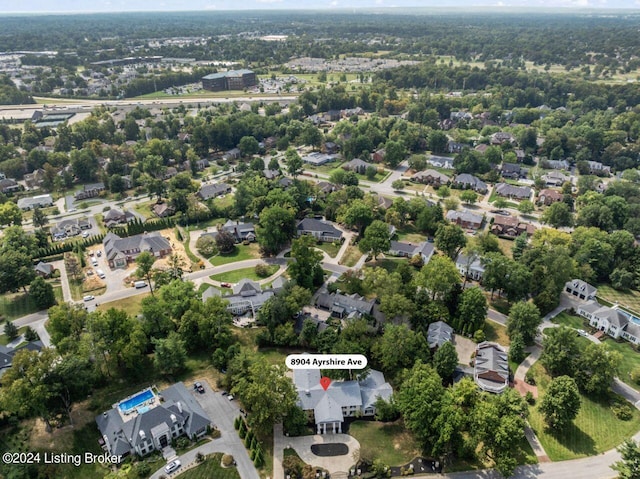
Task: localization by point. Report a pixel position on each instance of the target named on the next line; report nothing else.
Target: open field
(630, 359)
(238, 274)
(595, 429)
(131, 305)
(16, 305)
(240, 253)
(211, 468)
(389, 442)
(629, 299)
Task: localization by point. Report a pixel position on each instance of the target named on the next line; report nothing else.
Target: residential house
(555, 178)
(613, 321)
(597, 168)
(455, 147)
(324, 188)
(460, 115)
(409, 250)
(44, 270)
(520, 155)
(470, 267)
(511, 227)
(548, 197)
(71, 227)
(357, 165)
(213, 190)
(239, 230)
(555, 164)
(384, 202)
(378, 155)
(8, 185)
(285, 183)
(341, 305)
(441, 162)
(331, 115)
(7, 353)
(41, 201)
(330, 148)
(511, 191)
(349, 112)
(431, 177)
(232, 154)
(481, 148)
(513, 171)
(491, 369)
(247, 297)
(439, 333)
(119, 252)
(169, 173)
(35, 179)
(316, 158)
(163, 210)
(90, 191)
(153, 422)
(467, 181)
(465, 219)
(319, 229)
(327, 409)
(581, 289)
(271, 174)
(115, 217)
(501, 137)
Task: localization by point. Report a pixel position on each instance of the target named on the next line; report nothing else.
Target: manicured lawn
(594, 431)
(630, 299)
(566, 319)
(237, 275)
(131, 305)
(496, 332)
(630, 359)
(330, 248)
(387, 263)
(223, 202)
(16, 305)
(325, 169)
(410, 234)
(211, 468)
(78, 289)
(389, 442)
(351, 256)
(145, 209)
(240, 253)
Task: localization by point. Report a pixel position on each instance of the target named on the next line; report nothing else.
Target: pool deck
(146, 405)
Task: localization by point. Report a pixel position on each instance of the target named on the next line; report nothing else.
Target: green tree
(394, 153)
(206, 246)
(396, 305)
(439, 276)
(42, 293)
(145, 262)
(399, 348)
(596, 368)
(170, 354)
(398, 185)
(277, 227)
(376, 239)
(444, 192)
(358, 214)
(525, 207)
(294, 162)
(10, 330)
(66, 325)
(469, 197)
(450, 239)
(524, 319)
(16, 268)
(39, 218)
(248, 146)
(560, 351)
(629, 466)
(472, 310)
(306, 270)
(445, 360)
(561, 402)
(557, 215)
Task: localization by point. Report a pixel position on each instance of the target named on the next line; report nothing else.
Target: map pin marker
(324, 382)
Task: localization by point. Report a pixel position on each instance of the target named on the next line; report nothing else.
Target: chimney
(174, 419)
(179, 406)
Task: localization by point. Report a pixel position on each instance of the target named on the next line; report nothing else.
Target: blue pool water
(135, 401)
(143, 409)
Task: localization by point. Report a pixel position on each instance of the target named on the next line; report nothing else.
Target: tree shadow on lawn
(574, 439)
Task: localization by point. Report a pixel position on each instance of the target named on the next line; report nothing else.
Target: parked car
(172, 466)
(230, 397)
(224, 393)
(99, 253)
(89, 297)
(225, 285)
(582, 332)
(85, 234)
(199, 387)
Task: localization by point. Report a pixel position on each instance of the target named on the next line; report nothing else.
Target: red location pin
(324, 382)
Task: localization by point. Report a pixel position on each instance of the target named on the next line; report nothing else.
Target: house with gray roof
(467, 181)
(319, 229)
(357, 165)
(409, 250)
(206, 192)
(431, 177)
(316, 158)
(40, 201)
(613, 321)
(513, 171)
(70, 227)
(511, 191)
(154, 424)
(555, 164)
(240, 231)
(439, 333)
(345, 306)
(342, 399)
(465, 219)
(555, 178)
(120, 252)
(44, 269)
(441, 162)
(470, 267)
(581, 289)
(491, 369)
(247, 297)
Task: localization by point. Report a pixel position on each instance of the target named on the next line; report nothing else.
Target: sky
(85, 6)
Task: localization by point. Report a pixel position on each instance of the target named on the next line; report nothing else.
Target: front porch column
(324, 427)
(318, 428)
(334, 427)
(340, 428)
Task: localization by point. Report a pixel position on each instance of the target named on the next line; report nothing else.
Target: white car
(582, 332)
(89, 297)
(172, 466)
(85, 234)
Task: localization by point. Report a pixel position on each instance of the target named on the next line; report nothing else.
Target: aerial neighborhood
(187, 201)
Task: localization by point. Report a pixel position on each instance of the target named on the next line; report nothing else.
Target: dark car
(225, 285)
(199, 387)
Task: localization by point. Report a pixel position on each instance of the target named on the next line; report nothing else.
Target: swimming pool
(136, 400)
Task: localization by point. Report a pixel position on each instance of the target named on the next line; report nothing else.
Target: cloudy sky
(67, 6)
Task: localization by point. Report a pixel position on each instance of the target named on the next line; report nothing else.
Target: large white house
(328, 409)
(581, 289)
(613, 321)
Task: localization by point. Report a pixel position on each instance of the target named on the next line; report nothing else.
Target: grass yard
(78, 289)
(594, 431)
(630, 359)
(630, 299)
(237, 275)
(145, 209)
(390, 264)
(224, 201)
(351, 256)
(240, 253)
(16, 305)
(131, 305)
(211, 468)
(330, 248)
(506, 246)
(389, 442)
(497, 333)
(325, 169)
(566, 319)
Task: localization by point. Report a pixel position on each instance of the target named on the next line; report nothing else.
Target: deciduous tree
(376, 239)
(561, 402)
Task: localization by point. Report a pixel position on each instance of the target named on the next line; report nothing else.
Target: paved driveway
(334, 464)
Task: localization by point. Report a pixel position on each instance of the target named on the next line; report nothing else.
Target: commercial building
(231, 80)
